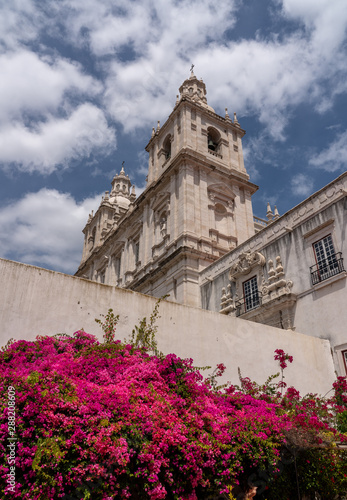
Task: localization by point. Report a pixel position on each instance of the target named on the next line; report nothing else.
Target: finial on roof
(192, 70)
(133, 194)
(269, 213)
(158, 126)
(177, 99)
(122, 171)
(227, 117)
(276, 214)
(153, 132)
(236, 120)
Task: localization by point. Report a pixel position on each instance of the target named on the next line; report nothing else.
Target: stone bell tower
(195, 208)
(196, 159)
(203, 152)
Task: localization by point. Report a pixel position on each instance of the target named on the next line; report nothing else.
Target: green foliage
(342, 422)
(108, 326)
(313, 470)
(144, 334)
(47, 451)
(33, 378)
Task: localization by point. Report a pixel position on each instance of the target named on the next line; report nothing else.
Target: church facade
(192, 234)
(196, 206)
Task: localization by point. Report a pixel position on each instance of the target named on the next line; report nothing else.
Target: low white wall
(35, 301)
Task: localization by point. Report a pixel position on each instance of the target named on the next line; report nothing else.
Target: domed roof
(120, 194)
(195, 90)
(120, 200)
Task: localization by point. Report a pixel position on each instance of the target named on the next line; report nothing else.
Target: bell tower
(205, 151)
(196, 161)
(194, 125)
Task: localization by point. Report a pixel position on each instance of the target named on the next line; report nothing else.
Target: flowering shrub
(315, 463)
(113, 420)
(282, 357)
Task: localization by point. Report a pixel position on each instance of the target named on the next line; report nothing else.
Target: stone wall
(35, 301)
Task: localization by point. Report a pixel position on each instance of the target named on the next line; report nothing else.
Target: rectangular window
(344, 355)
(117, 262)
(328, 262)
(137, 251)
(250, 294)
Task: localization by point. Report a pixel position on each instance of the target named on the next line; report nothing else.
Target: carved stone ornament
(227, 305)
(245, 263)
(163, 226)
(276, 286)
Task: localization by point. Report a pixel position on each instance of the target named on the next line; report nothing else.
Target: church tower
(195, 208)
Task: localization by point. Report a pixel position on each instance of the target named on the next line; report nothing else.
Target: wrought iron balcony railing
(247, 303)
(327, 268)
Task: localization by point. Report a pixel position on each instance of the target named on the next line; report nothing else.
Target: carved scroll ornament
(245, 263)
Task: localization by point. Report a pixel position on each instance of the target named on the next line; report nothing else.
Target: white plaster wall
(323, 312)
(35, 301)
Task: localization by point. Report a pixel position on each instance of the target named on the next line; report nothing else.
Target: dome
(120, 200)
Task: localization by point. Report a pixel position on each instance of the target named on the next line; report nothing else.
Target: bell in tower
(211, 144)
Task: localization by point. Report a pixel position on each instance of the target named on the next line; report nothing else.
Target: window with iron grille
(328, 262)
(250, 294)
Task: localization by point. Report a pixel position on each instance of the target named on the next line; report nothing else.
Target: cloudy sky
(83, 82)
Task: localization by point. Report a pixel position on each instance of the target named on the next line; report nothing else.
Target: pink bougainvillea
(112, 420)
(282, 357)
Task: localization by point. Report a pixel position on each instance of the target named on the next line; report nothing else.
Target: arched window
(213, 138)
(167, 147)
(91, 239)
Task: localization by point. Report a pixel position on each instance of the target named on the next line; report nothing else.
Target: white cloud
(45, 229)
(326, 19)
(43, 124)
(334, 157)
(168, 24)
(39, 85)
(302, 185)
(266, 77)
(143, 90)
(19, 21)
(261, 77)
(53, 143)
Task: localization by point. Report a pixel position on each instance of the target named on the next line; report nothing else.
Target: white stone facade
(298, 272)
(196, 206)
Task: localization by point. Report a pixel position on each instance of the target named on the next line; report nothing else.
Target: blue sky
(84, 81)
